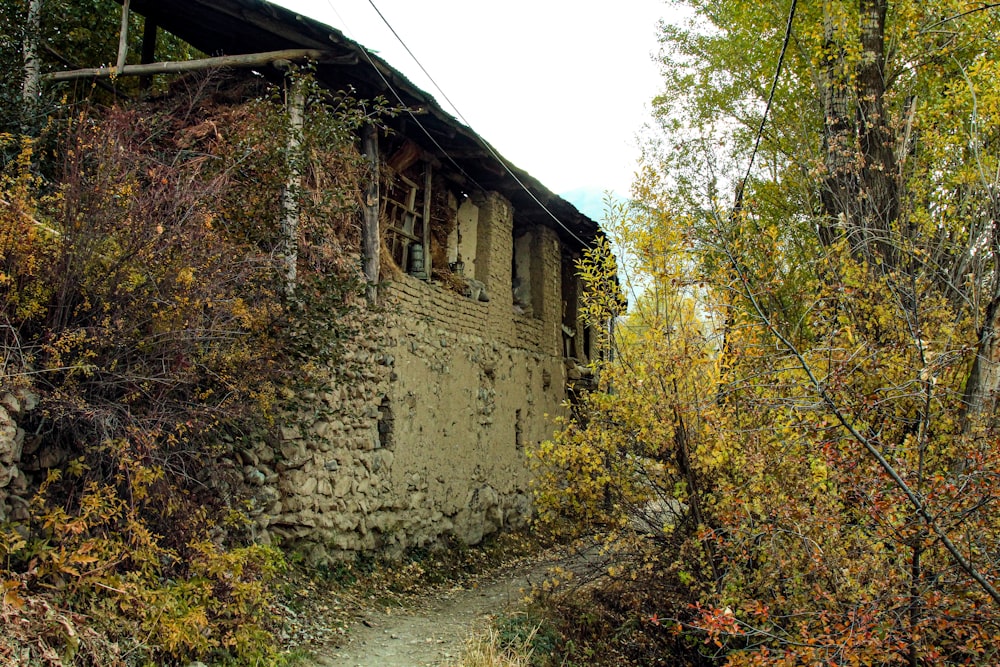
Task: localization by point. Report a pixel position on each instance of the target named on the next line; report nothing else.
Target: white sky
(560, 88)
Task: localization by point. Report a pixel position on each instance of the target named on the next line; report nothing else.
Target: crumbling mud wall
(475, 383)
(421, 433)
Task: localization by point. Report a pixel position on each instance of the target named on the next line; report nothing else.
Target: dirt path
(432, 630)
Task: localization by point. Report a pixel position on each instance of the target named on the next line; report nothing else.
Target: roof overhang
(232, 27)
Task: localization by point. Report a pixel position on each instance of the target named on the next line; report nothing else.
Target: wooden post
(427, 220)
(370, 242)
(123, 37)
(149, 30)
(295, 103)
(32, 65)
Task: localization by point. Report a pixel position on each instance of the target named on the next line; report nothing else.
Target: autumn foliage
(144, 304)
(793, 454)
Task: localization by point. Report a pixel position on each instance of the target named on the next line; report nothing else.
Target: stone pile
(13, 483)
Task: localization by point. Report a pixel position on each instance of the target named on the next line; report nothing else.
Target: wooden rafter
(245, 60)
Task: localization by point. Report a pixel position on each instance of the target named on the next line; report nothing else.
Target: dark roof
(232, 27)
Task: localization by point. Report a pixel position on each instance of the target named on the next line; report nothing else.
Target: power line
(399, 99)
(770, 98)
(489, 148)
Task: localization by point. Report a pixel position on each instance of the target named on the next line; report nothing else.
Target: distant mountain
(589, 201)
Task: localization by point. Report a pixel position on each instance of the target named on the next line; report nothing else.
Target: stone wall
(323, 486)
(13, 482)
(421, 433)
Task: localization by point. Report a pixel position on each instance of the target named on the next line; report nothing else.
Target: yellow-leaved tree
(797, 437)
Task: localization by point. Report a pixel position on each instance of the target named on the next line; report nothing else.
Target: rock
(254, 476)
(656, 515)
(20, 512)
(294, 456)
(19, 486)
(469, 527)
(50, 457)
(29, 400)
(10, 448)
(342, 487)
(320, 429)
(291, 433)
(264, 453)
(11, 403)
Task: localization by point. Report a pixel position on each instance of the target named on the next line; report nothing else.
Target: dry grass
(488, 649)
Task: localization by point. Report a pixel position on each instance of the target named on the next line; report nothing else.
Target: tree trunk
(860, 194)
(982, 387)
(123, 37)
(839, 148)
(32, 66)
(879, 196)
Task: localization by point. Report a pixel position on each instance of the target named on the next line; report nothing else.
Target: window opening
(404, 223)
(570, 308)
(522, 285)
(385, 423)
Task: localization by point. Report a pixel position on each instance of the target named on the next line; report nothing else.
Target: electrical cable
(399, 99)
(489, 148)
(738, 204)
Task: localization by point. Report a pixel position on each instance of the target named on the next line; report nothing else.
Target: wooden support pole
(295, 103)
(100, 83)
(149, 33)
(370, 242)
(245, 60)
(123, 37)
(149, 30)
(428, 177)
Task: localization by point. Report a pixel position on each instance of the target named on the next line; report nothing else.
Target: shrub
(143, 300)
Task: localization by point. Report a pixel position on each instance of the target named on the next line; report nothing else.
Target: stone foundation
(13, 482)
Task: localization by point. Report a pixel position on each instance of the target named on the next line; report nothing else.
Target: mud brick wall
(421, 434)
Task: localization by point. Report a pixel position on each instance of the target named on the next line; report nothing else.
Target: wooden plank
(149, 34)
(402, 232)
(427, 220)
(235, 14)
(103, 85)
(400, 205)
(244, 60)
(370, 241)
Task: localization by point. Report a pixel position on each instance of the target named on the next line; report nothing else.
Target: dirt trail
(432, 630)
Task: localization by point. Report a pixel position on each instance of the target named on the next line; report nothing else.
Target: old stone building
(426, 436)
(421, 431)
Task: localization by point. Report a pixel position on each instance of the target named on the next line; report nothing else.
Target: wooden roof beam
(245, 60)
